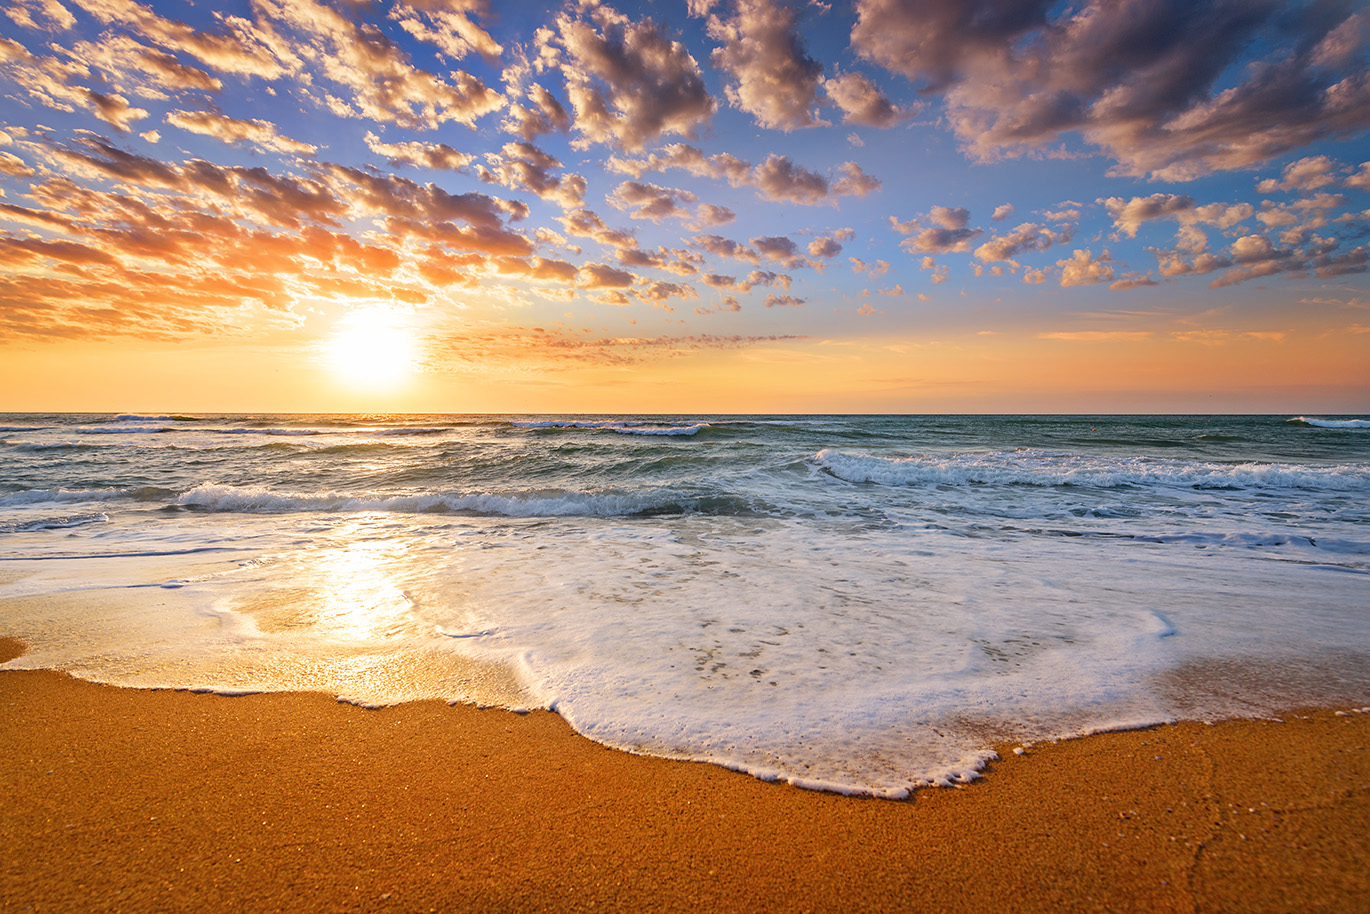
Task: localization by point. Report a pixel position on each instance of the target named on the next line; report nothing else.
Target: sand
(128, 800)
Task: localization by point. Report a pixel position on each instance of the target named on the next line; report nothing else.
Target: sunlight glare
(371, 350)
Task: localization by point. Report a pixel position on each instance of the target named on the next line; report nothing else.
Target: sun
(372, 350)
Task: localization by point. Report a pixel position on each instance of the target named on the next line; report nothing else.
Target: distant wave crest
(533, 503)
(1037, 468)
(1332, 423)
(622, 428)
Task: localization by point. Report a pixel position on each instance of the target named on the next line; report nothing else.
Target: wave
(139, 417)
(68, 496)
(54, 446)
(288, 432)
(1051, 469)
(530, 503)
(269, 431)
(53, 523)
(622, 428)
(124, 430)
(1332, 423)
(404, 431)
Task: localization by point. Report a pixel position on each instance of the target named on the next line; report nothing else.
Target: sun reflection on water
(350, 592)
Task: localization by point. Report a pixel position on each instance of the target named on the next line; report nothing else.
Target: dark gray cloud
(1168, 88)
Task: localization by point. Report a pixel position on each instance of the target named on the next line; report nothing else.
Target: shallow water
(858, 603)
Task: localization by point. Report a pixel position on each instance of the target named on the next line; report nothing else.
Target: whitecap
(1332, 423)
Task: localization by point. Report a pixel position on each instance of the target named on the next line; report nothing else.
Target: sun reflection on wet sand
(349, 593)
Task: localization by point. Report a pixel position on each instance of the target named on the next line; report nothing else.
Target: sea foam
(622, 428)
(1030, 468)
(1332, 423)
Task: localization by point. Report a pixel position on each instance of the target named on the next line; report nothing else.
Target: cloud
(777, 179)
(709, 215)
(1002, 212)
(1256, 256)
(861, 102)
(766, 278)
(1222, 337)
(781, 249)
(682, 263)
(603, 276)
(754, 278)
(658, 292)
(1027, 237)
(1097, 336)
(54, 83)
(649, 201)
(1361, 179)
(628, 82)
(773, 79)
(686, 158)
(383, 83)
(483, 347)
(826, 248)
(719, 246)
(780, 301)
(240, 48)
(1061, 215)
(544, 115)
(584, 223)
(177, 249)
(235, 132)
(447, 25)
(1169, 90)
(1129, 215)
(875, 270)
(557, 271)
(854, 182)
(523, 166)
(943, 231)
(435, 156)
(1304, 174)
(142, 70)
(1083, 269)
(12, 165)
(40, 15)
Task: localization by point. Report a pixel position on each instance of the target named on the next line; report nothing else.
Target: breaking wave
(1039, 468)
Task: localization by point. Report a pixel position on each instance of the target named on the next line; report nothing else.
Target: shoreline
(159, 800)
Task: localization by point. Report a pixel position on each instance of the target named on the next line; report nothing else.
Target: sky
(685, 206)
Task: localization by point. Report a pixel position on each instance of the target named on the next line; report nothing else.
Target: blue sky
(770, 203)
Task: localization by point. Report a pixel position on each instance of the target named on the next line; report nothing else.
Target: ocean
(865, 604)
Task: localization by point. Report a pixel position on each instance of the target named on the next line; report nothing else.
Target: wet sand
(128, 800)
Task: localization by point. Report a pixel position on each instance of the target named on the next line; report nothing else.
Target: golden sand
(127, 800)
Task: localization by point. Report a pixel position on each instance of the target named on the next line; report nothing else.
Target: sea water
(857, 603)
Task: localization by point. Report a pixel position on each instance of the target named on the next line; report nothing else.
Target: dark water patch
(115, 555)
(57, 522)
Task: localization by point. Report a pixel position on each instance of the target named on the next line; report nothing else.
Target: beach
(160, 800)
(665, 663)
